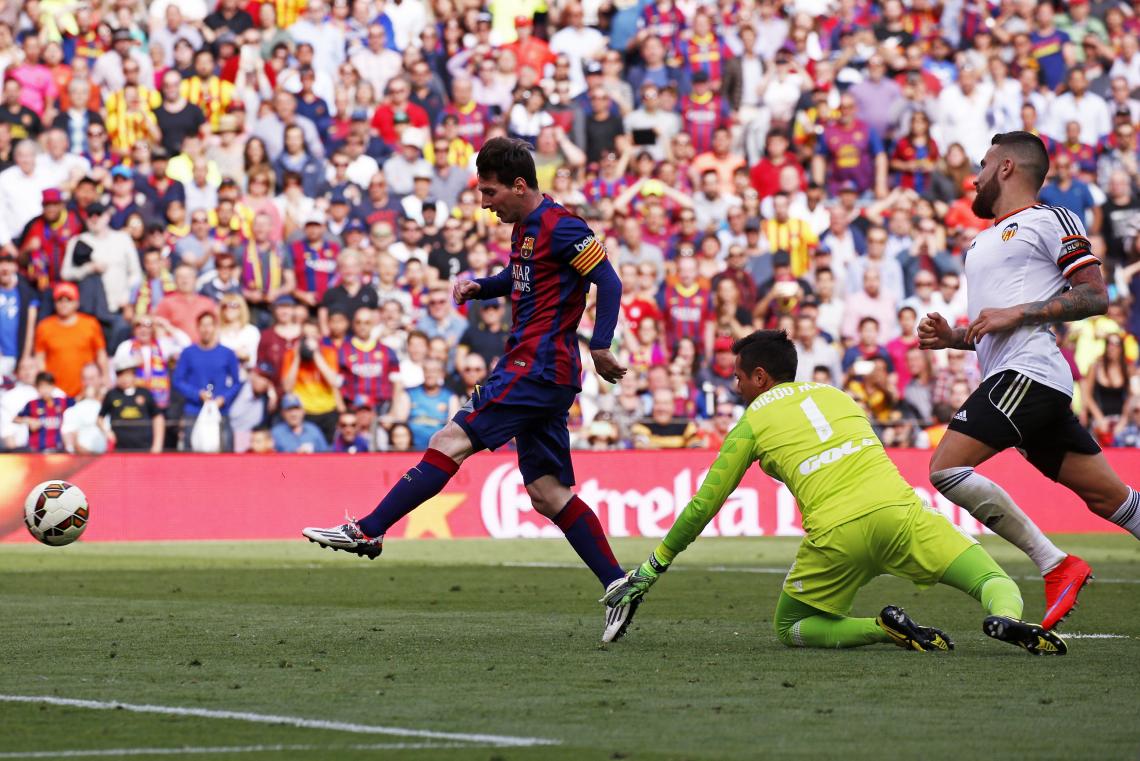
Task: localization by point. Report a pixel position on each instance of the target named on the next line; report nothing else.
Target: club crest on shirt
(1009, 231)
(527, 248)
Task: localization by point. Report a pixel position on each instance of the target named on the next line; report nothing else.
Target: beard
(983, 205)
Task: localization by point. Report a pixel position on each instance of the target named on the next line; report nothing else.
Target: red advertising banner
(188, 496)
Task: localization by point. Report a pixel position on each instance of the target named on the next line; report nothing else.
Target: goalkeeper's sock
(584, 532)
(801, 625)
(422, 482)
(1127, 516)
(978, 575)
(990, 504)
(833, 633)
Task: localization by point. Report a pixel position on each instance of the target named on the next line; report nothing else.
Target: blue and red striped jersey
(708, 54)
(701, 116)
(552, 252)
(367, 369)
(50, 415)
(600, 188)
(473, 120)
(686, 311)
(666, 25)
(315, 266)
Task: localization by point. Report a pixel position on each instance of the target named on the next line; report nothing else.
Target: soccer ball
(56, 513)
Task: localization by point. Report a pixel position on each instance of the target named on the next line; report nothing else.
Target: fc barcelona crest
(527, 249)
(1009, 231)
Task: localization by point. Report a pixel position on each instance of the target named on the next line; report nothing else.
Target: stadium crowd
(249, 215)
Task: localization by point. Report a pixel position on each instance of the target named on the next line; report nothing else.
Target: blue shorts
(533, 413)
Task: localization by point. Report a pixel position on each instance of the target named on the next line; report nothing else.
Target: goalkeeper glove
(635, 584)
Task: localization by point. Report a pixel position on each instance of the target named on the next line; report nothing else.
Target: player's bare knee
(942, 460)
(440, 440)
(452, 441)
(1102, 504)
(1102, 494)
(541, 501)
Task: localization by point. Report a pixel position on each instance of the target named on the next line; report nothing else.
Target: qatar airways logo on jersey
(701, 116)
(368, 369)
(507, 512)
(325, 266)
(686, 314)
(520, 273)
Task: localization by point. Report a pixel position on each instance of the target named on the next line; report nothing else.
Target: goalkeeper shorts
(912, 542)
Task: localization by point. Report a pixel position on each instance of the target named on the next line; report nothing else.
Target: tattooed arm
(1088, 296)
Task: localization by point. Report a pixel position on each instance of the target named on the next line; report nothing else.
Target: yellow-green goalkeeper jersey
(815, 439)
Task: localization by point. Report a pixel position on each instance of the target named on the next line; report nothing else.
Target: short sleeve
(574, 242)
(286, 257)
(1072, 247)
(98, 342)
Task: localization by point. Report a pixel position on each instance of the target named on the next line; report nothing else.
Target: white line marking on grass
(707, 568)
(743, 569)
(771, 570)
(191, 750)
(1079, 635)
(292, 721)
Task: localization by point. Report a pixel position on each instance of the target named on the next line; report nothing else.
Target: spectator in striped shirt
(44, 416)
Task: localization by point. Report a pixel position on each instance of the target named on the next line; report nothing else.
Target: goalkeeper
(860, 517)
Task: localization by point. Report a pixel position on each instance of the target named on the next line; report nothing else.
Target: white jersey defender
(1025, 257)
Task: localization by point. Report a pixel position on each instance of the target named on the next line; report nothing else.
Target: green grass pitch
(472, 638)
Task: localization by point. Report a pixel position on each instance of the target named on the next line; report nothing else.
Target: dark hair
(769, 349)
(1030, 152)
(506, 159)
(871, 320)
(44, 377)
(392, 430)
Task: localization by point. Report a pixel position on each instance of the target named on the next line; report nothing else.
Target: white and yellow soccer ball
(56, 513)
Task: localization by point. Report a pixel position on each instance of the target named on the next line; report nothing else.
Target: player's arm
(1086, 297)
(577, 246)
(935, 333)
(608, 308)
(733, 460)
(491, 287)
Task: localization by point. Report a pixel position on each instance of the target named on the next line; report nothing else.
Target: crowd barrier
(139, 497)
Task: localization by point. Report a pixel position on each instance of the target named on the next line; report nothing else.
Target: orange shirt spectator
(531, 52)
(308, 380)
(68, 340)
(721, 160)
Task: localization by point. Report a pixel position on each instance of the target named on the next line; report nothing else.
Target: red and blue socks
(418, 485)
(427, 479)
(584, 532)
